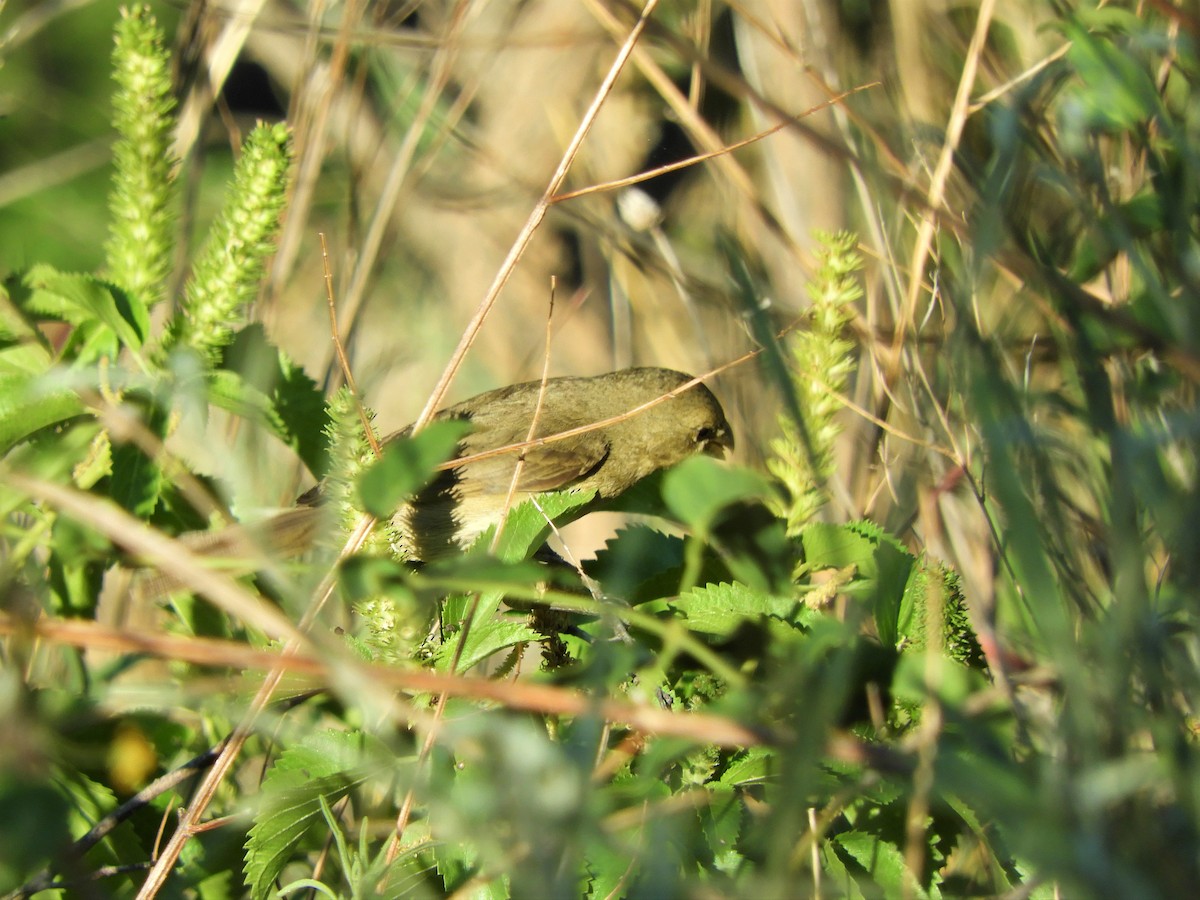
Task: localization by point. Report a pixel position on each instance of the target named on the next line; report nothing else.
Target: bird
(463, 501)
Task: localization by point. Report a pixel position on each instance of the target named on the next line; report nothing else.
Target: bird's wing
(562, 464)
(548, 468)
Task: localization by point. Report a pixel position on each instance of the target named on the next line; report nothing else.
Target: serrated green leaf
(407, 465)
(882, 567)
(23, 352)
(721, 608)
(87, 303)
(485, 638)
(753, 543)
(90, 801)
(137, 481)
(989, 837)
(255, 372)
(750, 766)
(884, 861)
(828, 546)
(721, 825)
(634, 555)
(328, 765)
(607, 869)
(527, 524)
(23, 360)
(230, 391)
(456, 863)
(839, 877)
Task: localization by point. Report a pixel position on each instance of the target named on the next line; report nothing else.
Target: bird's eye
(706, 434)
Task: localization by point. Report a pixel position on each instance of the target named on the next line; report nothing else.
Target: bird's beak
(719, 444)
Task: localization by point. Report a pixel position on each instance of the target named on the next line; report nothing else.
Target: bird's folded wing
(551, 467)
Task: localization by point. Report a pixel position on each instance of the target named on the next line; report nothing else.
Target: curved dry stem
(533, 222)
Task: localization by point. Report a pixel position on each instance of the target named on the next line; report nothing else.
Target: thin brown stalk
(310, 117)
(713, 154)
(524, 237)
(533, 222)
(1000, 90)
(219, 57)
(389, 194)
(136, 537)
(125, 427)
(406, 807)
(936, 195)
(189, 822)
(529, 436)
(698, 129)
(519, 695)
(340, 349)
(105, 826)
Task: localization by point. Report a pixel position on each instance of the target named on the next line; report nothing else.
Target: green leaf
(328, 765)
(881, 565)
(26, 408)
(458, 863)
(841, 880)
(1116, 91)
(1114, 232)
(33, 825)
(752, 766)
(914, 673)
(607, 871)
(407, 465)
(485, 638)
(884, 861)
(137, 480)
(635, 555)
(90, 801)
(23, 349)
(752, 541)
(481, 571)
(527, 524)
(256, 374)
(698, 489)
(721, 825)
(721, 608)
(105, 316)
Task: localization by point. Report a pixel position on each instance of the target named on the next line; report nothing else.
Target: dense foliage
(770, 681)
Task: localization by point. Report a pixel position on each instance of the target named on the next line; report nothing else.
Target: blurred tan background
(426, 131)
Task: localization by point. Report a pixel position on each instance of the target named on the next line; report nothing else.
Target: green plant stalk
(575, 603)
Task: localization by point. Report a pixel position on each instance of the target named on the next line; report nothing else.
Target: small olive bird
(461, 502)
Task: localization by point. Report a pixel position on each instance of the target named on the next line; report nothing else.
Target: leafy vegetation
(946, 647)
